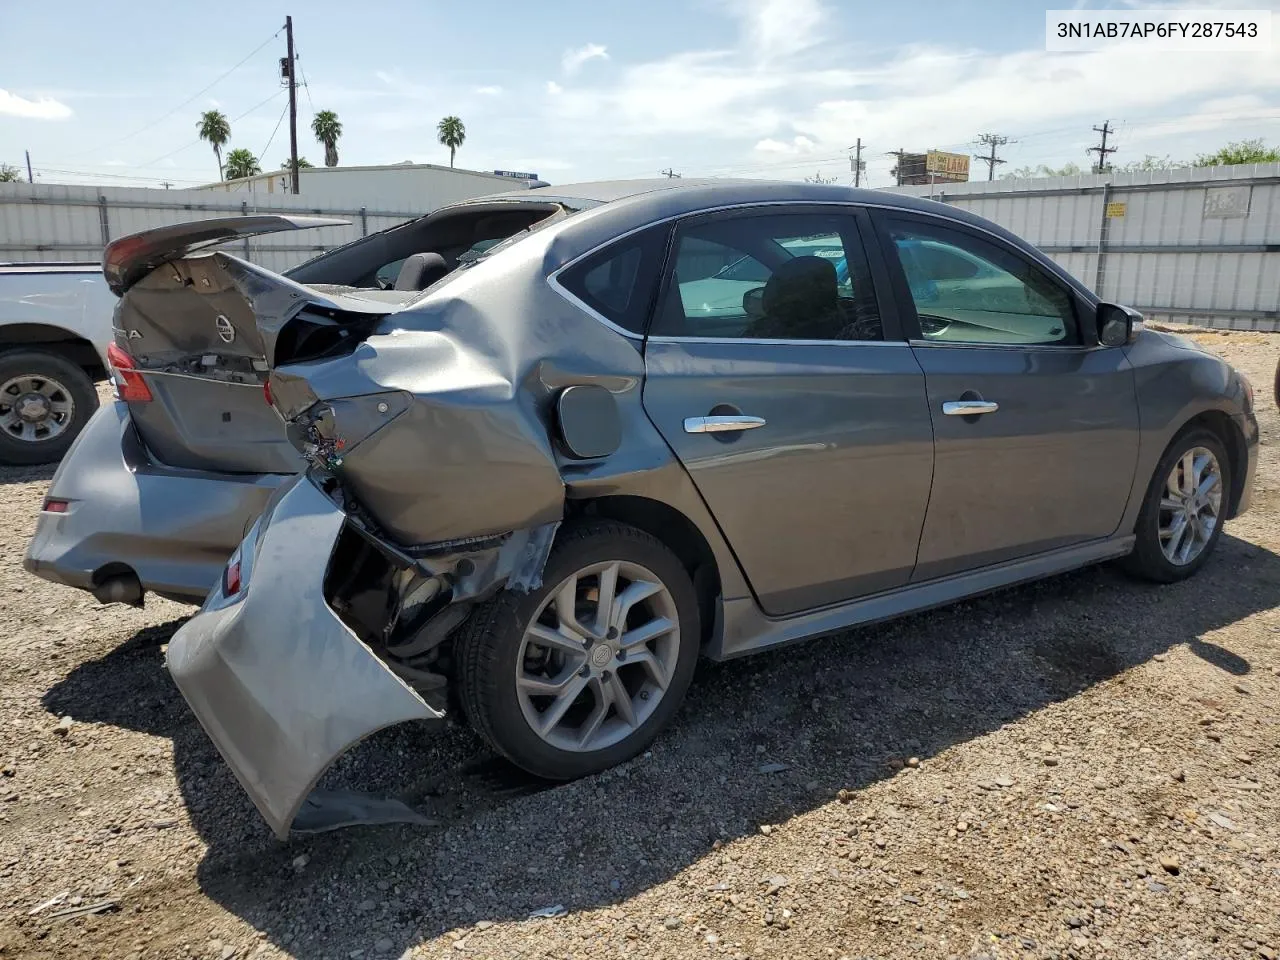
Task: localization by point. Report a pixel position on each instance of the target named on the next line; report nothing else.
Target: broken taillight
(130, 386)
(231, 578)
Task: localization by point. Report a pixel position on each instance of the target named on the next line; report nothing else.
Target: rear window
(619, 281)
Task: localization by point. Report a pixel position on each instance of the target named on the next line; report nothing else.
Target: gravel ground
(1085, 767)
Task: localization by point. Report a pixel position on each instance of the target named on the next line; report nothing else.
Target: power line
(274, 132)
(992, 140)
(152, 163)
(194, 96)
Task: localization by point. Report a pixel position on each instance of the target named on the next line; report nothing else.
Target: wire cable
(263, 154)
(258, 106)
(190, 99)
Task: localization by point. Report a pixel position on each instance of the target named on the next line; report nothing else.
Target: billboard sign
(951, 167)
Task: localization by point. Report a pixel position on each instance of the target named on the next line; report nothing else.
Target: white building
(410, 187)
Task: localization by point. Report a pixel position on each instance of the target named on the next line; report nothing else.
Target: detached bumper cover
(279, 683)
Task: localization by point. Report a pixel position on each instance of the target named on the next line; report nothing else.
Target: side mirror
(753, 303)
(1117, 325)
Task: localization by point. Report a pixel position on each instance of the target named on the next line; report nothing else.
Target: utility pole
(166, 184)
(1102, 150)
(669, 173)
(856, 162)
(293, 103)
(30, 176)
(897, 171)
(992, 140)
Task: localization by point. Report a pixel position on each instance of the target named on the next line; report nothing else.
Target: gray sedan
(537, 481)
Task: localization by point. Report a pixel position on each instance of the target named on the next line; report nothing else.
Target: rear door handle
(721, 424)
(968, 408)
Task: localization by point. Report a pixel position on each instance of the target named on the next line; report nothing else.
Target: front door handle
(721, 424)
(968, 408)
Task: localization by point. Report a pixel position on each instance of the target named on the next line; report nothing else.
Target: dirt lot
(1086, 767)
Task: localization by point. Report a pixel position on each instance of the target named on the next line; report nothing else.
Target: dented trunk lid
(201, 328)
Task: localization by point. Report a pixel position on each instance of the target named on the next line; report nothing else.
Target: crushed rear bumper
(280, 684)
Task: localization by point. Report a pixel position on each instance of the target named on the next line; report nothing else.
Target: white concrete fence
(1198, 246)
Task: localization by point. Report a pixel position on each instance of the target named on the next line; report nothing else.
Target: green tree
(327, 130)
(1240, 151)
(213, 126)
(10, 174)
(241, 163)
(1151, 162)
(452, 134)
(303, 164)
(1043, 170)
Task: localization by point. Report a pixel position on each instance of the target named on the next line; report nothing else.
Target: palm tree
(213, 126)
(241, 163)
(303, 164)
(327, 129)
(452, 135)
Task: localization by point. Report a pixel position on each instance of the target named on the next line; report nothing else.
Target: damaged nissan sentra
(660, 421)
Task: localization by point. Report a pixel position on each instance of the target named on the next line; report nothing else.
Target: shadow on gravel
(27, 474)
(833, 710)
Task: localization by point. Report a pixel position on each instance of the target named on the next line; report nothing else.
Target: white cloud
(798, 145)
(490, 91)
(384, 77)
(573, 60)
(781, 28)
(43, 108)
(554, 88)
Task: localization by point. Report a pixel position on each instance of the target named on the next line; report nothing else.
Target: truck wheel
(585, 671)
(45, 401)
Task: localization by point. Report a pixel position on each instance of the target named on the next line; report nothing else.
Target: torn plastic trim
(404, 601)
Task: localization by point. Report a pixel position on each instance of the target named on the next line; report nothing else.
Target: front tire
(584, 672)
(45, 401)
(1185, 507)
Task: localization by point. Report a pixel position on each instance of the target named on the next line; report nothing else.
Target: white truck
(55, 327)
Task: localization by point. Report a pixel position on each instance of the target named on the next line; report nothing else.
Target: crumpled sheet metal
(278, 682)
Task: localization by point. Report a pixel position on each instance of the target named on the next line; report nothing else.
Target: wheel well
(1225, 430)
(676, 531)
(40, 336)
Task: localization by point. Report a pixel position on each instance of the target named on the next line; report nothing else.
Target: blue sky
(576, 90)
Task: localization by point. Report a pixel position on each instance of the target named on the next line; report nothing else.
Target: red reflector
(266, 392)
(130, 386)
(55, 506)
(231, 579)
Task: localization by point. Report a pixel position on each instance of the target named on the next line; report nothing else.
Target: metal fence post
(1102, 241)
(364, 222)
(103, 221)
(244, 212)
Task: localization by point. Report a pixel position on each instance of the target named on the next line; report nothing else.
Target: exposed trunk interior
(194, 338)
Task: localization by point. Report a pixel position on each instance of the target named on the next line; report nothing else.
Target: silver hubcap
(1191, 507)
(34, 408)
(598, 656)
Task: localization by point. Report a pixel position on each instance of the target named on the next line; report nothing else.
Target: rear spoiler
(129, 259)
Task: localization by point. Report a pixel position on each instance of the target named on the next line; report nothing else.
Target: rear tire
(603, 698)
(1191, 461)
(45, 401)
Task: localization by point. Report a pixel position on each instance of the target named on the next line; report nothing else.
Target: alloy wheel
(598, 656)
(1191, 507)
